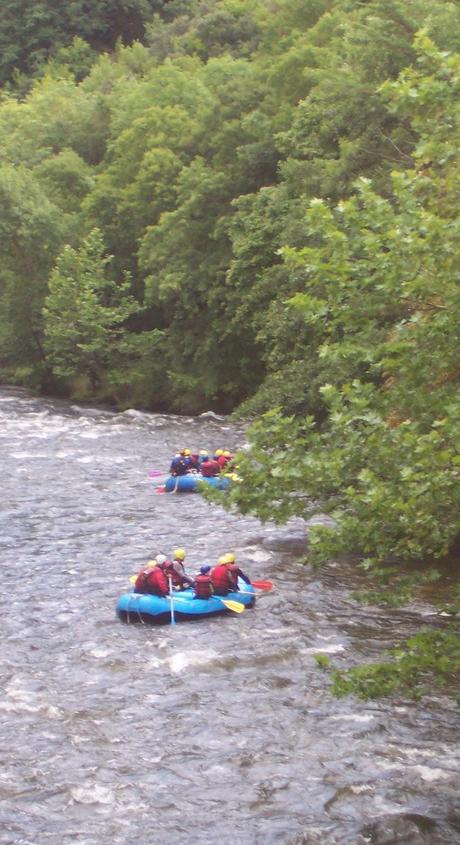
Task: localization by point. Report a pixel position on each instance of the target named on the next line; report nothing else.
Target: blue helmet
(205, 569)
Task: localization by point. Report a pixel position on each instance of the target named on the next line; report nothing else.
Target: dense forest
(249, 207)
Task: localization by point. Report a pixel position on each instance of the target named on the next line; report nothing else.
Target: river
(221, 730)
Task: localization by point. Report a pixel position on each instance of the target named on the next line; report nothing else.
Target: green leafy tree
(32, 231)
(85, 312)
(381, 298)
(33, 30)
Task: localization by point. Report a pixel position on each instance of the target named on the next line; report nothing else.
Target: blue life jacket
(179, 465)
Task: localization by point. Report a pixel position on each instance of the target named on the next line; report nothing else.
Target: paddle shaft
(171, 601)
(236, 606)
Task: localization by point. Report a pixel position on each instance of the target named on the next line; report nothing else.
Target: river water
(219, 730)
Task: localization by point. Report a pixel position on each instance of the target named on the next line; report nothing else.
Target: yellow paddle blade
(133, 578)
(236, 606)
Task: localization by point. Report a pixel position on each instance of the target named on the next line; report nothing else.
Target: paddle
(262, 585)
(171, 601)
(154, 473)
(160, 490)
(236, 606)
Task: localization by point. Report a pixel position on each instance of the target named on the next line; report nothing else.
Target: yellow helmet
(179, 554)
(219, 452)
(230, 558)
(187, 452)
(227, 454)
(222, 560)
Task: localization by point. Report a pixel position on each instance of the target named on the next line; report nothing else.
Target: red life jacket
(152, 581)
(233, 569)
(194, 461)
(220, 579)
(209, 469)
(203, 587)
(223, 460)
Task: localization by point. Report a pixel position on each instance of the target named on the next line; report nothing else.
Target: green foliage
(429, 657)
(33, 30)
(77, 58)
(32, 230)
(380, 298)
(196, 154)
(322, 660)
(84, 314)
(203, 28)
(394, 588)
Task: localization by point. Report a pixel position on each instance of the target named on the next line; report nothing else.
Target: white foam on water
(428, 774)
(28, 455)
(92, 794)
(352, 717)
(417, 752)
(360, 788)
(258, 556)
(100, 653)
(18, 707)
(182, 660)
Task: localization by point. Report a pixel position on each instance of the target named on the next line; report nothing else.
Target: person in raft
(180, 464)
(224, 576)
(203, 584)
(202, 457)
(152, 578)
(224, 459)
(175, 570)
(231, 562)
(209, 468)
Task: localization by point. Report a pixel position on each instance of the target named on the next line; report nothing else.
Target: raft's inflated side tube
(138, 607)
(190, 483)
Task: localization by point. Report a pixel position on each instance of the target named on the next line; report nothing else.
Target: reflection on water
(221, 730)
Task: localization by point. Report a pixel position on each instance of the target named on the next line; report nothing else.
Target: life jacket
(170, 572)
(233, 569)
(203, 587)
(210, 468)
(220, 579)
(194, 461)
(152, 581)
(223, 460)
(180, 465)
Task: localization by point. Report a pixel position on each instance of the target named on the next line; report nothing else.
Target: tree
(33, 30)
(32, 231)
(381, 296)
(85, 312)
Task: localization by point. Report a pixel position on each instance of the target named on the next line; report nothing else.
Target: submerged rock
(211, 415)
(404, 829)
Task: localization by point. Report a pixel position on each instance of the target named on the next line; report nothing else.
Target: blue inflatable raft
(190, 483)
(139, 607)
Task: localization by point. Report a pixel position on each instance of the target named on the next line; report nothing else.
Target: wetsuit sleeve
(244, 577)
